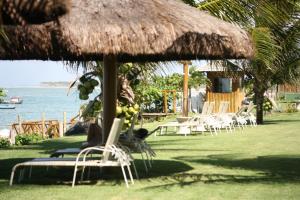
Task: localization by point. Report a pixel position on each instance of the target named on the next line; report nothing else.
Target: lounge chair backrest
(113, 136)
(221, 107)
(205, 108)
(250, 108)
(210, 108)
(250, 104)
(225, 107)
(241, 110)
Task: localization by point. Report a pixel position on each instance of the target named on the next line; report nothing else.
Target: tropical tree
(274, 26)
(2, 94)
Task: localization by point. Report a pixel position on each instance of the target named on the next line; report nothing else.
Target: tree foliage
(274, 26)
(2, 94)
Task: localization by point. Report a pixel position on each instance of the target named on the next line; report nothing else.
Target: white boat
(7, 106)
(16, 100)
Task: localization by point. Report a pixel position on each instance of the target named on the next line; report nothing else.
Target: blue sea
(52, 101)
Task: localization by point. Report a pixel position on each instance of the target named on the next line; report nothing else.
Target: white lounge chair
(112, 156)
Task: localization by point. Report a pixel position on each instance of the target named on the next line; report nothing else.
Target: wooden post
(43, 125)
(109, 93)
(65, 122)
(20, 125)
(185, 87)
(12, 136)
(174, 101)
(61, 129)
(165, 102)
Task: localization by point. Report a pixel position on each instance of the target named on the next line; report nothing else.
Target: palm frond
(266, 49)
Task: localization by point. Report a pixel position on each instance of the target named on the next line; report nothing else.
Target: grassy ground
(258, 163)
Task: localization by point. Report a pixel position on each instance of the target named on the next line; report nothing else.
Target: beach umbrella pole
(109, 93)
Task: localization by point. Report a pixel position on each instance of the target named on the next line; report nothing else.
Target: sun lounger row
(212, 122)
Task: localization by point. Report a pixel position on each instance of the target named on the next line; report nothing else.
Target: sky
(32, 73)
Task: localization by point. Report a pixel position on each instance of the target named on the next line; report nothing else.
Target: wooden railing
(47, 128)
(235, 99)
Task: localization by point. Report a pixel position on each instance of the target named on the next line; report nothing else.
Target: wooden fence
(47, 128)
(235, 99)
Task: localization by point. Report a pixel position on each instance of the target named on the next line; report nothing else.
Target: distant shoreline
(38, 87)
(45, 85)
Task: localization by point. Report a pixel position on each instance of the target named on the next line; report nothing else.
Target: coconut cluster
(267, 105)
(127, 111)
(86, 87)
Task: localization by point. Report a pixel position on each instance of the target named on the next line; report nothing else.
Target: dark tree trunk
(259, 91)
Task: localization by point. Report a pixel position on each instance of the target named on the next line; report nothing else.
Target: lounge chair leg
(89, 173)
(135, 171)
(21, 175)
(124, 175)
(30, 171)
(74, 176)
(150, 166)
(82, 173)
(12, 175)
(146, 168)
(215, 130)
(130, 174)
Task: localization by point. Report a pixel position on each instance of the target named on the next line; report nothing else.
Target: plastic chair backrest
(221, 106)
(241, 110)
(113, 137)
(210, 108)
(205, 108)
(225, 107)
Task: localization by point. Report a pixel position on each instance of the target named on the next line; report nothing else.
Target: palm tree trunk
(259, 99)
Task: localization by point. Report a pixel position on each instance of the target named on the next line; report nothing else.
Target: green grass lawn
(258, 163)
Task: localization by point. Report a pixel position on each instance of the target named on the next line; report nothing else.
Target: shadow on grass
(279, 121)
(47, 146)
(271, 169)
(63, 175)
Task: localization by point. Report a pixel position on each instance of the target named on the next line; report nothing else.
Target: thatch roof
(22, 12)
(134, 30)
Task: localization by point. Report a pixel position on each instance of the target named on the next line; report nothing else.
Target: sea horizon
(53, 101)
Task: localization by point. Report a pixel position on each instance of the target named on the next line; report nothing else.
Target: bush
(267, 105)
(291, 108)
(25, 139)
(4, 143)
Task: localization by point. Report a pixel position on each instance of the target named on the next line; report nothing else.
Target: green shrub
(4, 143)
(25, 139)
(291, 108)
(267, 105)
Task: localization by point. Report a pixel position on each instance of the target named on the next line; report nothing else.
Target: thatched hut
(127, 30)
(224, 87)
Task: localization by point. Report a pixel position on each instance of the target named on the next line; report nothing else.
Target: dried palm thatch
(133, 30)
(21, 12)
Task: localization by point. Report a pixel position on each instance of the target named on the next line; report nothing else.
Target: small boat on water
(13, 100)
(7, 106)
(16, 100)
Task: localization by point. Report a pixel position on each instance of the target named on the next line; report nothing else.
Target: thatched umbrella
(127, 30)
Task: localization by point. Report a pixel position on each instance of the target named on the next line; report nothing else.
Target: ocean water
(52, 101)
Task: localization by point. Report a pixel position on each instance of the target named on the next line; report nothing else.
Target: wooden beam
(185, 87)
(165, 102)
(174, 101)
(109, 94)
